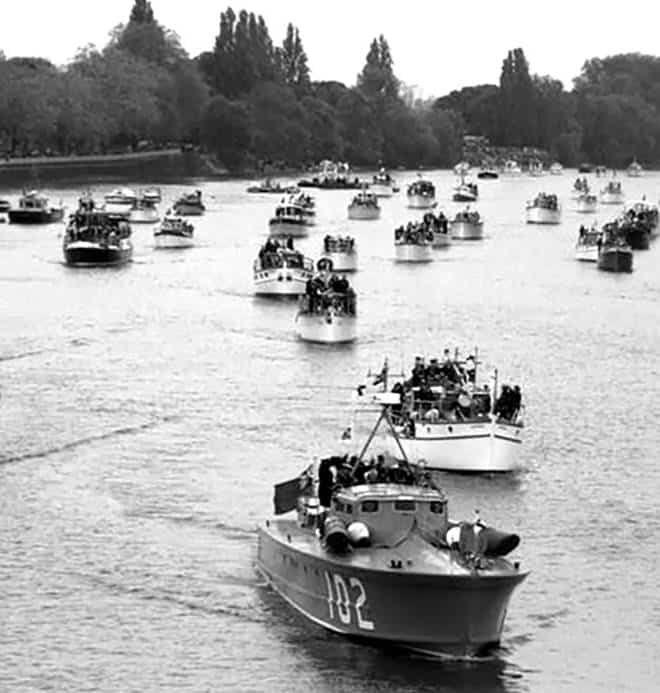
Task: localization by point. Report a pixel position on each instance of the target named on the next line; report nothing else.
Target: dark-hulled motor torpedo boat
(373, 555)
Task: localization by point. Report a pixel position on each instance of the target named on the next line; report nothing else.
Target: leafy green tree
(517, 108)
(377, 80)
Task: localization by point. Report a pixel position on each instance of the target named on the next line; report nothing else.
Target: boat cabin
(390, 511)
(33, 200)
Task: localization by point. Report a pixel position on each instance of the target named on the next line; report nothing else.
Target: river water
(146, 411)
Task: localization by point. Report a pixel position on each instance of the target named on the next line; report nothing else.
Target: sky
(437, 45)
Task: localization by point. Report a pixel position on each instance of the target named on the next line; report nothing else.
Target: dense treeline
(249, 101)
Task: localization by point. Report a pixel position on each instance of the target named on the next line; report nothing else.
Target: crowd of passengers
(328, 291)
(417, 233)
(646, 216)
(344, 471)
(581, 185)
(422, 187)
(549, 201)
(365, 200)
(92, 226)
(273, 252)
(338, 244)
(436, 224)
(447, 390)
(467, 215)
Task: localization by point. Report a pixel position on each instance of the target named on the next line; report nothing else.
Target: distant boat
(120, 201)
(383, 185)
(95, 237)
(544, 209)
(33, 208)
(270, 187)
(556, 169)
(488, 172)
(144, 211)
(467, 225)
(421, 194)
(612, 194)
(585, 168)
(190, 204)
(174, 232)
(364, 206)
(586, 248)
(281, 270)
(465, 191)
(614, 254)
(511, 168)
(635, 169)
(289, 220)
(413, 244)
(342, 252)
(587, 203)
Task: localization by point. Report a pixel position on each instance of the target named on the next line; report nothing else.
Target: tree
(226, 130)
(293, 62)
(517, 111)
(142, 12)
(377, 81)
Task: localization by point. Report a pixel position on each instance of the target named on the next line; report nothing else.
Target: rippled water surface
(146, 411)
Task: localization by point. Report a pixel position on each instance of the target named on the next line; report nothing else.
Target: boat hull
(343, 262)
(615, 260)
(607, 198)
(466, 230)
(586, 253)
(585, 207)
(435, 614)
(381, 189)
(412, 252)
(479, 447)
(172, 240)
(281, 281)
(120, 209)
(363, 213)
(421, 202)
(35, 216)
(86, 254)
(144, 216)
(186, 210)
(541, 215)
(638, 238)
(441, 240)
(287, 228)
(326, 329)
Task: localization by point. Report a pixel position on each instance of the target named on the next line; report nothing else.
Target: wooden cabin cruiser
(467, 225)
(544, 209)
(556, 169)
(371, 553)
(612, 194)
(421, 194)
(614, 252)
(328, 309)
(635, 169)
(364, 206)
(96, 237)
(120, 201)
(383, 185)
(174, 232)
(190, 204)
(587, 203)
(33, 208)
(281, 270)
(342, 252)
(289, 220)
(453, 423)
(413, 243)
(586, 248)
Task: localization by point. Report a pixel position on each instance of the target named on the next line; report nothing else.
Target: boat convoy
(358, 544)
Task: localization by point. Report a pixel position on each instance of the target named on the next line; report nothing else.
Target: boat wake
(127, 430)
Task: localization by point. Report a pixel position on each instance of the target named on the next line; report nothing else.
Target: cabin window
(437, 507)
(348, 508)
(404, 505)
(369, 506)
(339, 506)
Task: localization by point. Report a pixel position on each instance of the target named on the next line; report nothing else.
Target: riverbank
(160, 166)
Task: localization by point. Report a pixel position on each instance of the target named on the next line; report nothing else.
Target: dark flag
(286, 496)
